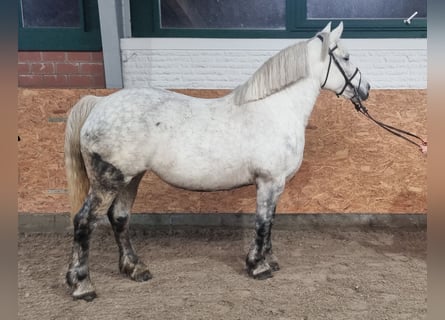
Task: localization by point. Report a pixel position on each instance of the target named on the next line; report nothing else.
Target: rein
(395, 131)
(356, 101)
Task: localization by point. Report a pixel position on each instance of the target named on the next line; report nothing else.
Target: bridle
(348, 80)
(357, 102)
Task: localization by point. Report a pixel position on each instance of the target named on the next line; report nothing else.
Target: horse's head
(338, 74)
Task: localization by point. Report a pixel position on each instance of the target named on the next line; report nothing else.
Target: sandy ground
(326, 274)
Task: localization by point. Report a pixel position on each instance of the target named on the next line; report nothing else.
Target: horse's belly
(204, 177)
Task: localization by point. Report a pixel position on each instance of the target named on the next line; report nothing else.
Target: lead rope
(396, 131)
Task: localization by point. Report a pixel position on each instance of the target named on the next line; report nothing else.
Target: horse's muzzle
(364, 93)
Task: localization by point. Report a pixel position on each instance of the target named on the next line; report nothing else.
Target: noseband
(348, 80)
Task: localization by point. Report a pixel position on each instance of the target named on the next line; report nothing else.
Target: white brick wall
(226, 63)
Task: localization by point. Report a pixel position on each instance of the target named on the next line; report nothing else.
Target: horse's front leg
(260, 261)
(271, 259)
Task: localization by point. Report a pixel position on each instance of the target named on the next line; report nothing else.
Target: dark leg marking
(271, 259)
(78, 276)
(129, 262)
(119, 215)
(257, 266)
(260, 253)
(106, 181)
(107, 176)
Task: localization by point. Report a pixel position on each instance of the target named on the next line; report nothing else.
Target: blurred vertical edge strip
(8, 156)
(436, 172)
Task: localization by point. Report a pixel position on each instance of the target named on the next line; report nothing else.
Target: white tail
(78, 183)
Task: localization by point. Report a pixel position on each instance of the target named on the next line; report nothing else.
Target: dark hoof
(272, 261)
(135, 269)
(82, 289)
(88, 296)
(263, 275)
(274, 266)
(260, 271)
(143, 276)
(137, 272)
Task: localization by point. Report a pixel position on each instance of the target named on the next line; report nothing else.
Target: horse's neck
(301, 96)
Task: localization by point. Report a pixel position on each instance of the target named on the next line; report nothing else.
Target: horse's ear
(336, 33)
(327, 29)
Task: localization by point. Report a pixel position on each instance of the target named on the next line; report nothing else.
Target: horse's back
(141, 129)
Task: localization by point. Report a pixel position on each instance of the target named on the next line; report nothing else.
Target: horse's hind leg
(78, 275)
(119, 216)
(105, 183)
(260, 260)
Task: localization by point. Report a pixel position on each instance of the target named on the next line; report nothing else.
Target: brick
(99, 81)
(54, 81)
(97, 56)
(30, 80)
(92, 68)
(80, 81)
(78, 56)
(29, 56)
(42, 68)
(67, 68)
(53, 56)
(23, 68)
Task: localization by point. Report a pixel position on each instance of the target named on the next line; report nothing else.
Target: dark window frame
(145, 19)
(84, 38)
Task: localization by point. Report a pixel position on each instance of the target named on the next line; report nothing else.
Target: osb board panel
(350, 165)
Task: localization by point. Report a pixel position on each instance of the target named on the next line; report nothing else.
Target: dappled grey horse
(254, 135)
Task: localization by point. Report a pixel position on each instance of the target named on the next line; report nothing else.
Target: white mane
(283, 69)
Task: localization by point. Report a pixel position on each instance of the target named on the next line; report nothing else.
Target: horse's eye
(346, 58)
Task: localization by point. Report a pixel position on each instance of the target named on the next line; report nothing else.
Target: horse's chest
(293, 154)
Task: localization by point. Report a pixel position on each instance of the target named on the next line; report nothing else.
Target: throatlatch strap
(327, 73)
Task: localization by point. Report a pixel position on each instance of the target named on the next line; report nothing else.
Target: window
(59, 25)
(228, 14)
(276, 18)
(50, 13)
(353, 9)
